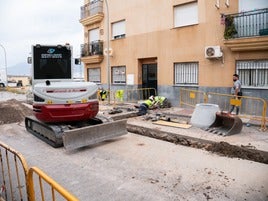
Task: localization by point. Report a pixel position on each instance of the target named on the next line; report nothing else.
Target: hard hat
(151, 98)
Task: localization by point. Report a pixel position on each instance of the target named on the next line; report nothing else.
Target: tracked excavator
(65, 111)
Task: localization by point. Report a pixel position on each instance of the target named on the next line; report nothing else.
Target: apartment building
(169, 44)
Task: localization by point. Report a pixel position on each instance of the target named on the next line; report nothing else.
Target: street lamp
(108, 53)
(5, 54)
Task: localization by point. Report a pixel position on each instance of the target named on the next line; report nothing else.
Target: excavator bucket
(90, 135)
(226, 124)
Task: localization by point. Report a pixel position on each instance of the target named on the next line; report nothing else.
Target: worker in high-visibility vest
(161, 102)
(103, 94)
(147, 104)
(119, 94)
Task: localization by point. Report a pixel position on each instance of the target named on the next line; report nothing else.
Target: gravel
(5, 95)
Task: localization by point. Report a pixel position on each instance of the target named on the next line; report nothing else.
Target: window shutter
(94, 35)
(118, 28)
(186, 14)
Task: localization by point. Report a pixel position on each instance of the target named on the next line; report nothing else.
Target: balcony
(247, 31)
(92, 12)
(92, 52)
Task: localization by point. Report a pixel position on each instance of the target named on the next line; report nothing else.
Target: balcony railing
(93, 48)
(92, 8)
(246, 24)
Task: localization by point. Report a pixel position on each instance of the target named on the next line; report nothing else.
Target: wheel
(2, 85)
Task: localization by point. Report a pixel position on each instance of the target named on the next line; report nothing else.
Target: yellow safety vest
(159, 99)
(149, 103)
(103, 94)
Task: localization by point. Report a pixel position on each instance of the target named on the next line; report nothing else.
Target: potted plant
(230, 30)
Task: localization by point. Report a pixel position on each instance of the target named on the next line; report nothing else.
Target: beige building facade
(169, 44)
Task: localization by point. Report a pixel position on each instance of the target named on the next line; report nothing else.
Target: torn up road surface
(135, 167)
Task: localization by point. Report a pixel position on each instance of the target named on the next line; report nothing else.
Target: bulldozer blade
(226, 124)
(90, 135)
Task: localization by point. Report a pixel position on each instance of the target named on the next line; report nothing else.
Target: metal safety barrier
(252, 108)
(134, 95)
(14, 170)
(192, 97)
(18, 182)
(126, 95)
(48, 189)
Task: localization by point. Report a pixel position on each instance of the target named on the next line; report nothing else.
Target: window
(186, 14)
(95, 45)
(119, 75)
(93, 35)
(186, 73)
(118, 29)
(247, 5)
(94, 75)
(253, 73)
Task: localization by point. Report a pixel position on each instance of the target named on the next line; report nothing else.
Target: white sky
(27, 22)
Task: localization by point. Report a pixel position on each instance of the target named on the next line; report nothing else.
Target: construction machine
(211, 118)
(226, 124)
(65, 111)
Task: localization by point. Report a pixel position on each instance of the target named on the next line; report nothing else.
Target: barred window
(253, 73)
(94, 75)
(186, 73)
(119, 75)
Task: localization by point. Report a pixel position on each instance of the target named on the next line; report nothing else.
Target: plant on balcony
(230, 30)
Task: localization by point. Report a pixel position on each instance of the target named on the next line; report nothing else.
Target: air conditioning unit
(213, 52)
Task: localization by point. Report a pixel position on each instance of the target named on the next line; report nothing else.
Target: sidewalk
(184, 112)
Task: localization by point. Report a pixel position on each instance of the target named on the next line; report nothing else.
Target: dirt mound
(226, 149)
(13, 111)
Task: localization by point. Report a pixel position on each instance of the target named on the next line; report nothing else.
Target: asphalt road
(136, 168)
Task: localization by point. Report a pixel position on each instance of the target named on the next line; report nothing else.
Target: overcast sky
(27, 22)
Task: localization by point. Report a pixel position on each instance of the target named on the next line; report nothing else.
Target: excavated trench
(221, 148)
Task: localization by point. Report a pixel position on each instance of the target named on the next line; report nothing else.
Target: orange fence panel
(14, 170)
(192, 97)
(251, 108)
(125, 95)
(18, 182)
(47, 189)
